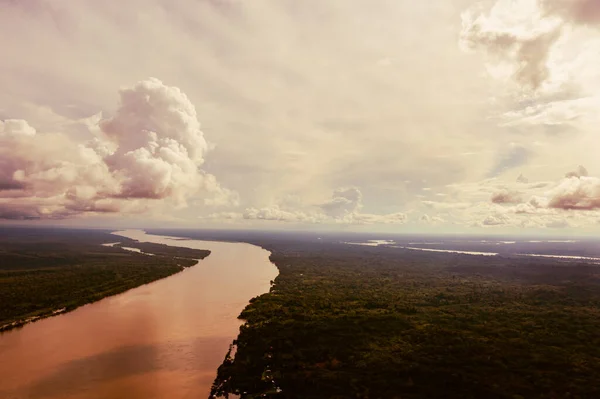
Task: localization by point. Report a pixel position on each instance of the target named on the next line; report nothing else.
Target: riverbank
(46, 273)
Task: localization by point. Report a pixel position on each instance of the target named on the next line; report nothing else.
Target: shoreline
(51, 313)
(47, 313)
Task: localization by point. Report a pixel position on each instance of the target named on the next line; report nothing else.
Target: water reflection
(108, 373)
(162, 340)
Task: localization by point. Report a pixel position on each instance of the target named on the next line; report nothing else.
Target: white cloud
(570, 202)
(15, 128)
(345, 208)
(576, 193)
(524, 33)
(345, 201)
(514, 31)
(293, 96)
(276, 214)
(426, 219)
(151, 149)
(342, 209)
(496, 220)
(369, 218)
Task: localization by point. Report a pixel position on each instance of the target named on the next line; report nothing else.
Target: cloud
(426, 219)
(576, 193)
(287, 118)
(15, 128)
(299, 98)
(437, 205)
(499, 34)
(224, 216)
(159, 144)
(13, 132)
(275, 214)
(580, 12)
(506, 197)
(558, 224)
(50, 176)
(523, 33)
(522, 179)
(535, 206)
(368, 218)
(151, 149)
(345, 201)
(496, 220)
(342, 209)
(579, 172)
(345, 208)
(569, 202)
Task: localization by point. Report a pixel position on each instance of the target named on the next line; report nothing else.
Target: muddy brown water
(161, 340)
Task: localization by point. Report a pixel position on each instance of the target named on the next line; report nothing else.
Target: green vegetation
(43, 271)
(357, 322)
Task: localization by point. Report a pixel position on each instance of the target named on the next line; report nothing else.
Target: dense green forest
(346, 321)
(43, 271)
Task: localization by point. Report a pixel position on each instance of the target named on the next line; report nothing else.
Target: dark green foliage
(353, 322)
(42, 271)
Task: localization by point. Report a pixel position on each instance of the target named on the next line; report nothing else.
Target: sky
(448, 116)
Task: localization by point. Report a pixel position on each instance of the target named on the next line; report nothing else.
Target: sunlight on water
(161, 340)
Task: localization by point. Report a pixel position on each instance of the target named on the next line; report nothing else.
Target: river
(165, 339)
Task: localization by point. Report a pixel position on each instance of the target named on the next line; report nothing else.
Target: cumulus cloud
(288, 118)
(535, 206)
(369, 218)
(152, 148)
(576, 193)
(50, 176)
(12, 133)
(159, 144)
(506, 197)
(530, 214)
(291, 119)
(496, 220)
(276, 214)
(572, 201)
(427, 219)
(345, 201)
(15, 128)
(579, 172)
(344, 208)
(294, 216)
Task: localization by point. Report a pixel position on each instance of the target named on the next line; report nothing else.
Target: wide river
(161, 340)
